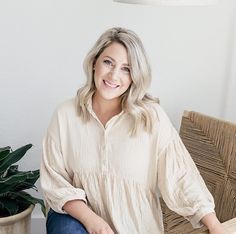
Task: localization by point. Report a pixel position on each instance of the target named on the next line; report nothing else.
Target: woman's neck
(105, 109)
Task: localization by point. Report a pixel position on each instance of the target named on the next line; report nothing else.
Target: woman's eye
(126, 69)
(107, 62)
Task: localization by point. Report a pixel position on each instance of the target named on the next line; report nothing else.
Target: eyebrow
(125, 64)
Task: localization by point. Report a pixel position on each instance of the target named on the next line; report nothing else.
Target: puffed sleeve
(180, 182)
(56, 181)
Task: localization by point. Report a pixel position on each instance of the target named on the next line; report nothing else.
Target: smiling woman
(120, 56)
(108, 150)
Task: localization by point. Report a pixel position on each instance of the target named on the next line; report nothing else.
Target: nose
(114, 74)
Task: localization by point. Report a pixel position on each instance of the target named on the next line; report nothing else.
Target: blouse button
(103, 148)
(103, 166)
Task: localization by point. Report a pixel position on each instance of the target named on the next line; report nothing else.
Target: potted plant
(16, 205)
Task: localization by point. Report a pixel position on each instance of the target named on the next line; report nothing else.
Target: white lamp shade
(171, 2)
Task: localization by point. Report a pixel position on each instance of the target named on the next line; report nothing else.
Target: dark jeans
(63, 224)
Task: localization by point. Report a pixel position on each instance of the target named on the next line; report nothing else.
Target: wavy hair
(135, 101)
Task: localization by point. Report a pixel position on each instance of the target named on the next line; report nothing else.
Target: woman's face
(112, 72)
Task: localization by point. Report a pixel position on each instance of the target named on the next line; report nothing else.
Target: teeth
(110, 84)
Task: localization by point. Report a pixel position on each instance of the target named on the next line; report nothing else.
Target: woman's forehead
(117, 52)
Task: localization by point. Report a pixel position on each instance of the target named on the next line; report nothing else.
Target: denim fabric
(63, 224)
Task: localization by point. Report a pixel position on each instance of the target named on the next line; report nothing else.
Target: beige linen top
(119, 176)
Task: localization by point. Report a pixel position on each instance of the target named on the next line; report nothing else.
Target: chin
(110, 98)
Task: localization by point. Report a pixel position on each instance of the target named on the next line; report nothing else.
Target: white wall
(229, 106)
(42, 45)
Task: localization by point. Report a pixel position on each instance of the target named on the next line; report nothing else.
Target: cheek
(99, 73)
(96, 76)
(97, 70)
(128, 82)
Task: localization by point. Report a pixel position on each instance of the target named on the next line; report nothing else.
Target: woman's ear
(94, 63)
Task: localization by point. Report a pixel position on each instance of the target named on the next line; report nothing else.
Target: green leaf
(32, 177)
(4, 152)
(3, 149)
(43, 208)
(13, 157)
(19, 181)
(12, 170)
(28, 199)
(9, 183)
(13, 181)
(10, 205)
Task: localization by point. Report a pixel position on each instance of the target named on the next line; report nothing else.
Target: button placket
(104, 162)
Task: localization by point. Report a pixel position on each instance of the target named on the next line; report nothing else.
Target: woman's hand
(92, 222)
(96, 225)
(218, 229)
(213, 224)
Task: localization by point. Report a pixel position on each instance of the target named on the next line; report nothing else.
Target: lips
(110, 84)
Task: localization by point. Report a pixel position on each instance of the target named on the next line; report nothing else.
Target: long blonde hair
(135, 101)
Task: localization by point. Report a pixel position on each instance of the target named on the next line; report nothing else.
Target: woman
(110, 150)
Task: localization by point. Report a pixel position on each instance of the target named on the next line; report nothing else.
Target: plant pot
(17, 224)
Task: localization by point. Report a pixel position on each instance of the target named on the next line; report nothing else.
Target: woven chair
(212, 145)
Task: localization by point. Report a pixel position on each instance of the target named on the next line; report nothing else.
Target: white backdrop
(192, 51)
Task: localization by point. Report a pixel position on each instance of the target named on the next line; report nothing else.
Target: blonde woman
(109, 151)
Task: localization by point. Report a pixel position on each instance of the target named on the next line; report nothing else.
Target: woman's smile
(110, 84)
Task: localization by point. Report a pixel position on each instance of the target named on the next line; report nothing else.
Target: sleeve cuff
(195, 219)
(59, 206)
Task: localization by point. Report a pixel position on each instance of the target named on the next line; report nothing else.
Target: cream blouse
(119, 176)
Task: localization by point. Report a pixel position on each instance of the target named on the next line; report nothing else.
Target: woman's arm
(213, 224)
(92, 222)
